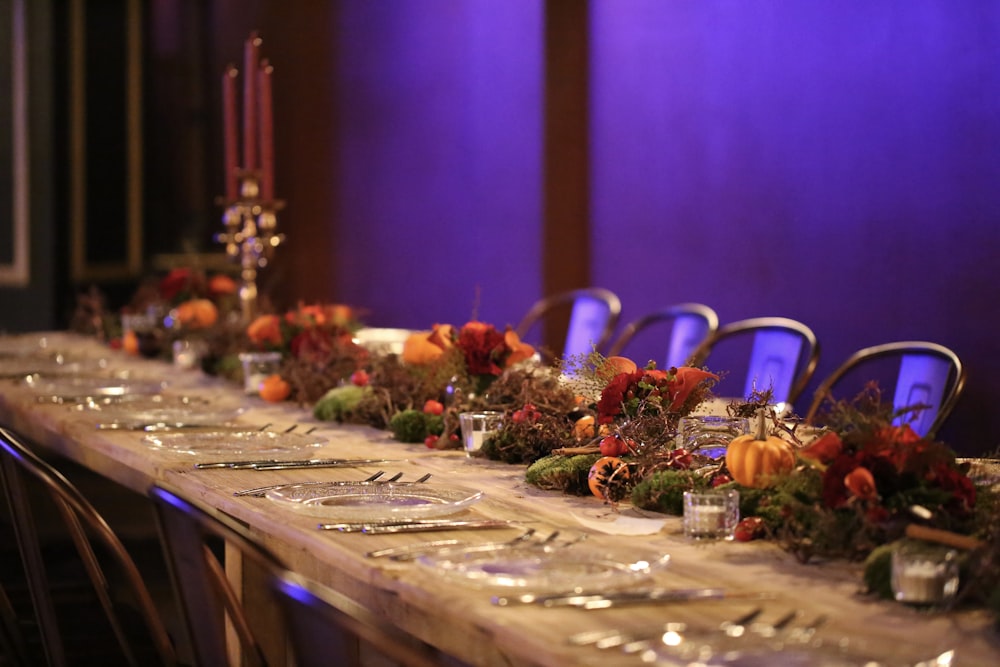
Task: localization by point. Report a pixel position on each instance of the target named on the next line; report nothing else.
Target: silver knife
(414, 526)
(277, 464)
(150, 427)
(585, 600)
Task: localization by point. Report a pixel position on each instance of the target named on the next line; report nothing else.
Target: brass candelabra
(250, 236)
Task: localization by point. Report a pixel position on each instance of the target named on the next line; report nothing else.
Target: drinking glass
(477, 426)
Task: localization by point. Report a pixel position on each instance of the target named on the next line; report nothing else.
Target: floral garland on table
(317, 349)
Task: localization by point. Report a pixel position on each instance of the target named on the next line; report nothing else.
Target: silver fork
(411, 551)
(259, 491)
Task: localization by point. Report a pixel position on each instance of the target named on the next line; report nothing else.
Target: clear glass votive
(924, 573)
(257, 366)
(711, 515)
(710, 435)
(477, 426)
(188, 353)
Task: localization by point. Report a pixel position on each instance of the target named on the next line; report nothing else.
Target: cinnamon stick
(946, 537)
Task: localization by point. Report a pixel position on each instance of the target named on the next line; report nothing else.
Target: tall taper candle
(230, 131)
(266, 133)
(251, 58)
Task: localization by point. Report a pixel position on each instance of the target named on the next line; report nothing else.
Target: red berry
(518, 417)
(360, 378)
(612, 445)
(748, 529)
(431, 441)
(433, 407)
(719, 480)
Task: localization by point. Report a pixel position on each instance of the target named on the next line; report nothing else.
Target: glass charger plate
(375, 502)
(92, 386)
(47, 366)
(539, 570)
(235, 442)
(141, 402)
(682, 647)
(129, 413)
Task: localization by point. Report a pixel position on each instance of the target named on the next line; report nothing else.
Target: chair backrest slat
(87, 529)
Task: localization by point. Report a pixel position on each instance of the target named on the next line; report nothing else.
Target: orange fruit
(274, 389)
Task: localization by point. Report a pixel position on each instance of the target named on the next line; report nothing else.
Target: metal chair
(593, 315)
(322, 622)
(101, 552)
(926, 374)
(325, 627)
(782, 357)
(690, 324)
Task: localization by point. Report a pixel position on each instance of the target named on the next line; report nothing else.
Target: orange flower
(339, 314)
(686, 380)
(220, 285)
(425, 347)
(266, 329)
(197, 314)
(861, 484)
(518, 351)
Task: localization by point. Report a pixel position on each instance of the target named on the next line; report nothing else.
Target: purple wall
(834, 162)
(440, 190)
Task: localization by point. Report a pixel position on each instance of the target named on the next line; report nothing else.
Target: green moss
(663, 491)
(562, 473)
(414, 425)
(337, 403)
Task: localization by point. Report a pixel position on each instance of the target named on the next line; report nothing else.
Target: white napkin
(621, 524)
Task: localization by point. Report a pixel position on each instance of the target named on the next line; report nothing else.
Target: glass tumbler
(258, 366)
(477, 426)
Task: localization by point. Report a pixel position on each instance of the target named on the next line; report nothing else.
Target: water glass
(710, 435)
(477, 426)
(711, 515)
(258, 366)
(188, 353)
(924, 573)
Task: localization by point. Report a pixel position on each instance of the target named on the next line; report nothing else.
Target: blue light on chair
(929, 375)
(687, 324)
(783, 356)
(594, 315)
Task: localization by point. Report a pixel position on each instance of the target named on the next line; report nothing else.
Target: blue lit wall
(834, 162)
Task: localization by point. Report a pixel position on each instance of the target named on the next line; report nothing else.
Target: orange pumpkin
(425, 347)
(753, 460)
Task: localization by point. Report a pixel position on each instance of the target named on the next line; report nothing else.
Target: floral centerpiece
(627, 431)
(316, 344)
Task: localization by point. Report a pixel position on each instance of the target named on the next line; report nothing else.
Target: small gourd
(754, 459)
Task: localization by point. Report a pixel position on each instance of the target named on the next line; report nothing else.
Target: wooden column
(566, 233)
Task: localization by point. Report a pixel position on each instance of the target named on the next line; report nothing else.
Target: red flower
(610, 404)
(834, 491)
(824, 449)
(484, 348)
(175, 283)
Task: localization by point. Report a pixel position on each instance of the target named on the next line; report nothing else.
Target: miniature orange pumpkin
(754, 459)
(274, 389)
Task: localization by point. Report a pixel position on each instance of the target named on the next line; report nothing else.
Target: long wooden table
(455, 617)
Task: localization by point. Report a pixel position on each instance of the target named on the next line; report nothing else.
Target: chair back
(191, 535)
(593, 316)
(322, 622)
(91, 535)
(929, 375)
(783, 355)
(687, 324)
(325, 627)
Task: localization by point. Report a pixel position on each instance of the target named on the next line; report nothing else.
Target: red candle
(229, 131)
(251, 58)
(266, 133)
